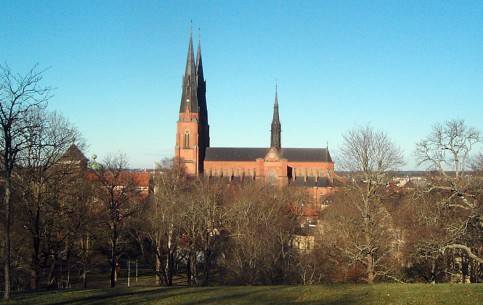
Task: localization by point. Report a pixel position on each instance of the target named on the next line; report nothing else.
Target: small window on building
(311, 172)
(238, 172)
(248, 173)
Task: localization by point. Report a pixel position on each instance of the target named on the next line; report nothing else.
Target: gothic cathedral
(306, 167)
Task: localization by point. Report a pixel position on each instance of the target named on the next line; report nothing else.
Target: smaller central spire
(276, 131)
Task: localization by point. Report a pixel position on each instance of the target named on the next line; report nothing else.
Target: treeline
(88, 222)
(72, 223)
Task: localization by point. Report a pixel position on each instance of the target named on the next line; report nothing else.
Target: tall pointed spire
(199, 63)
(276, 131)
(189, 97)
(201, 85)
(193, 131)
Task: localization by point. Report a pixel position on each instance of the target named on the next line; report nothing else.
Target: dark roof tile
(252, 153)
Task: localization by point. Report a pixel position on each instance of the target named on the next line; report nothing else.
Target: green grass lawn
(318, 294)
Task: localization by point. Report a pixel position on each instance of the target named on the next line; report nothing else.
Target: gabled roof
(251, 154)
(234, 153)
(306, 154)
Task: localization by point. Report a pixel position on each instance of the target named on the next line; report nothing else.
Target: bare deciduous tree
(260, 225)
(367, 154)
(448, 145)
(477, 163)
(447, 148)
(159, 233)
(119, 198)
(203, 216)
(19, 94)
(44, 179)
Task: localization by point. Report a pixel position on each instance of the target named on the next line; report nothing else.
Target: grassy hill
(318, 294)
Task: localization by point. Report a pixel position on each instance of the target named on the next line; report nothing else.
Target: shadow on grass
(236, 295)
(97, 296)
(267, 295)
(186, 295)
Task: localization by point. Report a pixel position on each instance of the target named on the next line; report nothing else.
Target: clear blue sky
(117, 66)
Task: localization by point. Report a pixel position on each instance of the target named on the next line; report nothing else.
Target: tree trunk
(34, 273)
(158, 264)
(85, 260)
(206, 267)
(371, 274)
(188, 269)
(433, 271)
(6, 270)
(169, 267)
(113, 273)
(114, 264)
(36, 264)
(51, 276)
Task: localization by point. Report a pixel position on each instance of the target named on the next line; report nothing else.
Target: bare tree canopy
(447, 148)
(369, 151)
(448, 145)
(45, 182)
(120, 199)
(19, 96)
(477, 162)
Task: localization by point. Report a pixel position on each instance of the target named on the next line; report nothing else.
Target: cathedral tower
(276, 131)
(192, 135)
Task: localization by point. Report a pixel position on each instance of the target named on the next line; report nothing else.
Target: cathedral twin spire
(193, 98)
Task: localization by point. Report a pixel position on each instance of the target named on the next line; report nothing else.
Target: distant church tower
(193, 131)
(276, 131)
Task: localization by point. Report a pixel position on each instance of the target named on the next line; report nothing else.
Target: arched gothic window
(187, 138)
